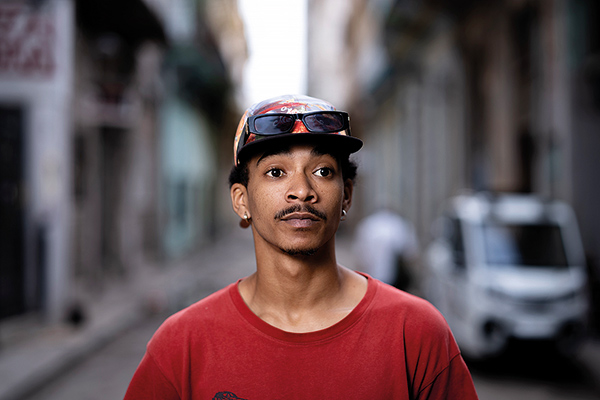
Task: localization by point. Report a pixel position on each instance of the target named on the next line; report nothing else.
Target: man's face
(295, 199)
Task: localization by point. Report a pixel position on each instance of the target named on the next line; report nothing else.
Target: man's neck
(301, 293)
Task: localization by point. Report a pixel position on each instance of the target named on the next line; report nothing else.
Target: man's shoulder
(408, 309)
(401, 298)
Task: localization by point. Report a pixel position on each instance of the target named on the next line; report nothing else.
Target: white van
(508, 267)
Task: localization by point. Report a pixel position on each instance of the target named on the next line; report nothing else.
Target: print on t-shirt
(226, 396)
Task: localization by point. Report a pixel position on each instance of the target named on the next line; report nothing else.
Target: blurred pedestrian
(386, 247)
(301, 326)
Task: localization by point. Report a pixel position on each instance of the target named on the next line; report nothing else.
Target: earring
(245, 222)
(343, 215)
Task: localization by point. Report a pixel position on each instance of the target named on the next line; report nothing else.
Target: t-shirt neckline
(307, 337)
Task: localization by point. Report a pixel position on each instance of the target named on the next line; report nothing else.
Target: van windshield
(534, 245)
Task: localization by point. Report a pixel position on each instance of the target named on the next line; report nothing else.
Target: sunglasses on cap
(315, 122)
(263, 127)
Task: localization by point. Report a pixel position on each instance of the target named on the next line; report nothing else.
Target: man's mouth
(300, 215)
(299, 212)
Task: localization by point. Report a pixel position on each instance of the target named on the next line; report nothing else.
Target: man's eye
(324, 172)
(274, 173)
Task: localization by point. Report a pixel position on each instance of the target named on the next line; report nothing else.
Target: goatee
(298, 252)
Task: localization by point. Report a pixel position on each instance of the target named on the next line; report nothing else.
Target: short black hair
(239, 173)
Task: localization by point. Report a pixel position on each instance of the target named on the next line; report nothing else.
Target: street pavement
(106, 373)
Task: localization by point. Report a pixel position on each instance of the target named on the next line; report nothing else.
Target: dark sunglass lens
(324, 122)
(273, 124)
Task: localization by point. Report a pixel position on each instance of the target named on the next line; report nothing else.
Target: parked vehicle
(508, 267)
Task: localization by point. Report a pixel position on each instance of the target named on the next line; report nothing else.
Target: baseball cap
(289, 117)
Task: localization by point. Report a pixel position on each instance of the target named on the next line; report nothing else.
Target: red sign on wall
(27, 41)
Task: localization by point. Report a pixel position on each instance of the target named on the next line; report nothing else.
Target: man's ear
(239, 196)
(348, 190)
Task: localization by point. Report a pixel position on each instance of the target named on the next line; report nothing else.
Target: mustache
(301, 208)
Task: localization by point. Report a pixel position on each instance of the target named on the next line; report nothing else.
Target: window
(534, 245)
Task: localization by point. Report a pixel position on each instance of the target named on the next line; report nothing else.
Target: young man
(301, 326)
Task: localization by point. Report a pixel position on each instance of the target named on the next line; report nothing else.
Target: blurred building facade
(478, 95)
(110, 116)
(117, 95)
(36, 69)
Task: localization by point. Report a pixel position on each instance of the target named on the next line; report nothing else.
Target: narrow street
(122, 124)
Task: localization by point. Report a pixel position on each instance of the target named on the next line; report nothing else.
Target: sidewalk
(31, 363)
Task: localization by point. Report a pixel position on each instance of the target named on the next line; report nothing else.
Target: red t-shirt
(391, 346)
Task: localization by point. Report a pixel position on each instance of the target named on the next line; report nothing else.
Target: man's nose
(301, 189)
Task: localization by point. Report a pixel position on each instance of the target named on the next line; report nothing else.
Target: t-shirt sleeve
(454, 382)
(436, 366)
(149, 383)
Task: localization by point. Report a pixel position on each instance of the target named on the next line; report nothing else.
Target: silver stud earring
(245, 222)
(343, 215)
